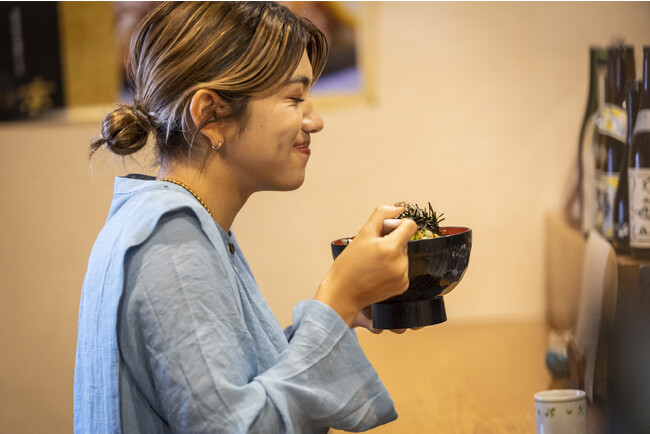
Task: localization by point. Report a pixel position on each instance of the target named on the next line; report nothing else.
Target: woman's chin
(287, 183)
(293, 185)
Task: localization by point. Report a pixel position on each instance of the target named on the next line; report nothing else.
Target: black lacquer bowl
(436, 265)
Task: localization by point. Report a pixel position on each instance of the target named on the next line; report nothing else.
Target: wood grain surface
(457, 379)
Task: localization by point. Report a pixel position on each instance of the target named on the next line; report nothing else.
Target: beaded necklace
(231, 246)
(187, 187)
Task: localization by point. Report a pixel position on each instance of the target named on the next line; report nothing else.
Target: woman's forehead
(303, 73)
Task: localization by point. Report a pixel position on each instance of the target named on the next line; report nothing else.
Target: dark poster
(30, 63)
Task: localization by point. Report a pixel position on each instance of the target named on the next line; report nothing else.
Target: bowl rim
(458, 230)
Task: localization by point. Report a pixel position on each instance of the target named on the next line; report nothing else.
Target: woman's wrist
(346, 309)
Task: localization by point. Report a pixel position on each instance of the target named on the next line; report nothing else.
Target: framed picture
(65, 60)
(348, 28)
(30, 60)
(58, 60)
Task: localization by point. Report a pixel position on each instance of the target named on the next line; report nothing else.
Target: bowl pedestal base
(409, 314)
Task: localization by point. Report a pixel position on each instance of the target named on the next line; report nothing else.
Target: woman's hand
(372, 268)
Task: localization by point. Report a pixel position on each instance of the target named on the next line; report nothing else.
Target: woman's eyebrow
(302, 79)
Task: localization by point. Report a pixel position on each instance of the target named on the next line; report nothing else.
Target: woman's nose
(312, 122)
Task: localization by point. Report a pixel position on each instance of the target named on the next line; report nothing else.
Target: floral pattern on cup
(560, 411)
(550, 412)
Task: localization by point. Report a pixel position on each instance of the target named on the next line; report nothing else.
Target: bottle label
(639, 189)
(642, 124)
(613, 122)
(606, 185)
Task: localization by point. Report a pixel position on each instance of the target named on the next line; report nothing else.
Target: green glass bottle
(621, 239)
(639, 172)
(612, 133)
(588, 138)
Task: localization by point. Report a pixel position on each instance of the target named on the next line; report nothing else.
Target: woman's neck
(217, 190)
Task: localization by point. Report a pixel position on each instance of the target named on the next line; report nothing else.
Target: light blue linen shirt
(175, 336)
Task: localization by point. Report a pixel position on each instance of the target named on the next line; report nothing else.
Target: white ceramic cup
(561, 411)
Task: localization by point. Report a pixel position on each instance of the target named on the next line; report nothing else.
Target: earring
(216, 148)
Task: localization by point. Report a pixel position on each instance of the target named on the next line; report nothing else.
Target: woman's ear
(203, 108)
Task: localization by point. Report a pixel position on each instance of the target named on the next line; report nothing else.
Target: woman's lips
(303, 148)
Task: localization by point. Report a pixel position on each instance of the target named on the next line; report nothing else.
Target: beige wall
(477, 110)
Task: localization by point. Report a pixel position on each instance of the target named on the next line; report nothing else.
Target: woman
(174, 335)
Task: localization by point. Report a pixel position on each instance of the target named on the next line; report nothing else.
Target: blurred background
(474, 107)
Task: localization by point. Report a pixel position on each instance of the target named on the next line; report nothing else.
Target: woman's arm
(184, 338)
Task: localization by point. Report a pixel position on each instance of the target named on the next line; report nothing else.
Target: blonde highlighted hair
(237, 49)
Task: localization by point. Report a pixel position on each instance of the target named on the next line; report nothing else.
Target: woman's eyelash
(298, 100)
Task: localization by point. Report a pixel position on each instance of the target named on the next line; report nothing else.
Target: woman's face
(272, 151)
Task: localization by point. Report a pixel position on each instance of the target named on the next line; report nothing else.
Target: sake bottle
(611, 136)
(639, 172)
(588, 139)
(621, 239)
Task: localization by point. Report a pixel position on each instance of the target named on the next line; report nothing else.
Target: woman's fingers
(400, 331)
(390, 225)
(375, 224)
(404, 231)
(372, 269)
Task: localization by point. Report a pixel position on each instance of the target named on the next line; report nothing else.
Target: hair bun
(124, 131)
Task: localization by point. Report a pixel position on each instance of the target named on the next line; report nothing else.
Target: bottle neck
(597, 60)
(632, 102)
(620, 72)
(602, 73)
(645, 93)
